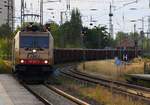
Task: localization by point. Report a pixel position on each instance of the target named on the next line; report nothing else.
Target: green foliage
(4, 68)
(68, 34)
(75, 27)
(120, 36)
(32, 26)
(134, 36)
(5, 40)
(146, 44)
(54, 29)
(71, 34)
(5, 48)
(139, 40)
(5, 31)
(97, 37)
(64, 32)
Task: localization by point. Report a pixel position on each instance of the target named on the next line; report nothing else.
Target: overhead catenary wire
(118, 6)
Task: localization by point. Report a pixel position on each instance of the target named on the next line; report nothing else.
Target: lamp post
(134, 37)
(142, 32)
(62, 20)
(135, 40)
(83, 48)
(91, 18)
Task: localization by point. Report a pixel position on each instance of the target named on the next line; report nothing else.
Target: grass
(98, 93)
(106, 97)
(108, 68)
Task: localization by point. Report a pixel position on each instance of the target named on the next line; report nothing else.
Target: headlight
(46, 61)
(22, 61)
(34, 50)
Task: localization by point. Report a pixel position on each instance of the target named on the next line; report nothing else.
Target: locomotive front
(33, 54)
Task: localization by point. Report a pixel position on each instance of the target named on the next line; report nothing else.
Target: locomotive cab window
(34, 42)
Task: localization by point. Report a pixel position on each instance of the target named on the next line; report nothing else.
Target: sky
(123, 12)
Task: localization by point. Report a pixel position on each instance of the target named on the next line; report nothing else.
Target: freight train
(32, 51)
(34, 55)
(62, 55)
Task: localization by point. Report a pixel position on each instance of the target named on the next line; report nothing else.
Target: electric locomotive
(32, 51)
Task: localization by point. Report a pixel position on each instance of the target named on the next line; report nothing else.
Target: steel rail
(61, 93)
(110, 81)
(105, 83)
(42, 99)
(133, 88)
(77, 101)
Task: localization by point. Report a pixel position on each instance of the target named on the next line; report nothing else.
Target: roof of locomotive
(33, 27)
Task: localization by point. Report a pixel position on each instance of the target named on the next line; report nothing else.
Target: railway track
(50, 95)
(134, 91)
(41, 98)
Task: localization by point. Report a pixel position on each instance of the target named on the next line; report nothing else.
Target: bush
(4, 67)
(5, 48)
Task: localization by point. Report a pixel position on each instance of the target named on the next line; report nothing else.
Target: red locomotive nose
(31, 61)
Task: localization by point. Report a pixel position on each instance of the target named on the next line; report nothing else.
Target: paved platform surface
(141, 76)
(13, 93)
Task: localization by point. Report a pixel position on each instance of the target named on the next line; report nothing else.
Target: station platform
(13, 93)
(141, 76)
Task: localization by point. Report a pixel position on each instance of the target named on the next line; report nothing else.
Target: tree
(120, 36)
(54, 29)
(5, 47)
(5, 39)
(5, 31)
(96, 37)
(64, 33)
(70, 31)
(75, 28)
(134, 36)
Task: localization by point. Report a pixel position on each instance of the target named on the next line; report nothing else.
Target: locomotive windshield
(34, 42)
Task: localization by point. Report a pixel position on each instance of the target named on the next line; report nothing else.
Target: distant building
(7, 12)
(126, 43)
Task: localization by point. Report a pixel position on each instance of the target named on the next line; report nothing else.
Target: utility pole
(32, 15)
(149, 3)
(110, 21)
(148, 33)
(68, 9)
(149, 24)
(134, 28)
(41, 12)
(10, 13)
(61, 18)
(143, 24)
(142, 33)
(135, 41)
(68, 5)
(22, 12)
